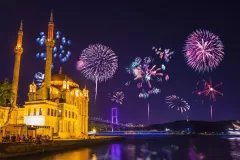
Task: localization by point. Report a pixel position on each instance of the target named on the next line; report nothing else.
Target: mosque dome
(57, 79)
(61, 77)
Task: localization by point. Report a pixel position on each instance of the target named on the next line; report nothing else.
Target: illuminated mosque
(58, 108)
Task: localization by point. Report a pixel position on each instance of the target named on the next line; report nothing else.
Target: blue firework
(39, 78)
(61, 52)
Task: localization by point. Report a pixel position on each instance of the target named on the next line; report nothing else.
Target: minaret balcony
(18, 49)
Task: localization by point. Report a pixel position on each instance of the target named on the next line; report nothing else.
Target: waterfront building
(59, 107)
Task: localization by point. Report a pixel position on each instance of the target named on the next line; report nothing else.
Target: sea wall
(8, 150)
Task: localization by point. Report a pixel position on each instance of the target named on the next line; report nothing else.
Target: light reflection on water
(235, 148)
(168, 148)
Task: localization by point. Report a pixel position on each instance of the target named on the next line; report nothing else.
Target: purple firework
(203, 51)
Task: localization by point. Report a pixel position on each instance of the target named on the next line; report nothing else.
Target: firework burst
(203, 51)
(174, 101)
(148, 72)
(117, 96)
(97, 63)
(210, 91)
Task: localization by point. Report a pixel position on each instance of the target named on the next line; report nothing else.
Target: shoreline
(12, 150)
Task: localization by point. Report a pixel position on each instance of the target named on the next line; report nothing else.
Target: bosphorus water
(160, 148)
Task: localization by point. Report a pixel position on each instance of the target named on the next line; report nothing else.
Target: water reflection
(193, 153)
(74, 155)
(235, 148)
(169, 148)
(134, 152)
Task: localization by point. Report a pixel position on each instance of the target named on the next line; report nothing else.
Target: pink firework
(203, 51)
(210, 90)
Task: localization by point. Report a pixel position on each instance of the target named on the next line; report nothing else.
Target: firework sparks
(147, 73)
(61, 52)
(203, 51)
(210, 90)
(117, 96)
(97, 63)
(174, 101)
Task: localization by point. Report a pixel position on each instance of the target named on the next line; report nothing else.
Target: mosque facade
(58, 108)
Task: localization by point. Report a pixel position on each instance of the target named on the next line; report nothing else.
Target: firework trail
(209, 90)
(97, 63)
(203, 51)
(174, 101)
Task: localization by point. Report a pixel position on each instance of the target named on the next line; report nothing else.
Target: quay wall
(8, 150)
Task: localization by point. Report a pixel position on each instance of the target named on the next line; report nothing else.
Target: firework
(97, 63)
(203, 51)
(148, 74)
(117, 96)
(39, 78)
(174, 101)
(210, 91)
(165, 54)
(61, 52)
(145, 72)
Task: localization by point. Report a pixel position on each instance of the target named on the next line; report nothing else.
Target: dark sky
(130, 29)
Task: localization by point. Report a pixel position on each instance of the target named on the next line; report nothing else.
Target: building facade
(59, 107)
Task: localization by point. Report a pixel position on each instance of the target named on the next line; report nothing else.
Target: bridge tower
(115, 115)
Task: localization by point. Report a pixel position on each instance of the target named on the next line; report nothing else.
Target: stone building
(59, 107)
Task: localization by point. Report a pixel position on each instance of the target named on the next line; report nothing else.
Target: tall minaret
(48, 67)
(18, 52)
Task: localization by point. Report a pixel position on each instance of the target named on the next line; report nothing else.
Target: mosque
(58, 108)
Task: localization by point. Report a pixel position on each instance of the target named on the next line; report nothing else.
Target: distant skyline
(131, 30)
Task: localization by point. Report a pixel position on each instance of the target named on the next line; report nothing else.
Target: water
(165, 148)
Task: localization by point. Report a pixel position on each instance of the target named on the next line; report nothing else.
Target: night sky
(130, 29)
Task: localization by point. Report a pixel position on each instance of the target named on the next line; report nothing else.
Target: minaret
(18, 52)
(49, 47)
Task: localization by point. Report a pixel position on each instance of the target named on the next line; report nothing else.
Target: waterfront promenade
(16, 149)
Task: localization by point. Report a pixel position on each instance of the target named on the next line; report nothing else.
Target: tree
(6, 98)
(5, 92)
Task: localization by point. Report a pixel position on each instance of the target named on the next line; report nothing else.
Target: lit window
(76, 93)
(65, 85)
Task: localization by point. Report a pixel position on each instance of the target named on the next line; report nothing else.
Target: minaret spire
(18, 52)
(51, 17)
(21, 26)
(49, 47)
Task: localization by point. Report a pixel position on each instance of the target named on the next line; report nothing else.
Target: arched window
(40, 111)
(34, 111)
